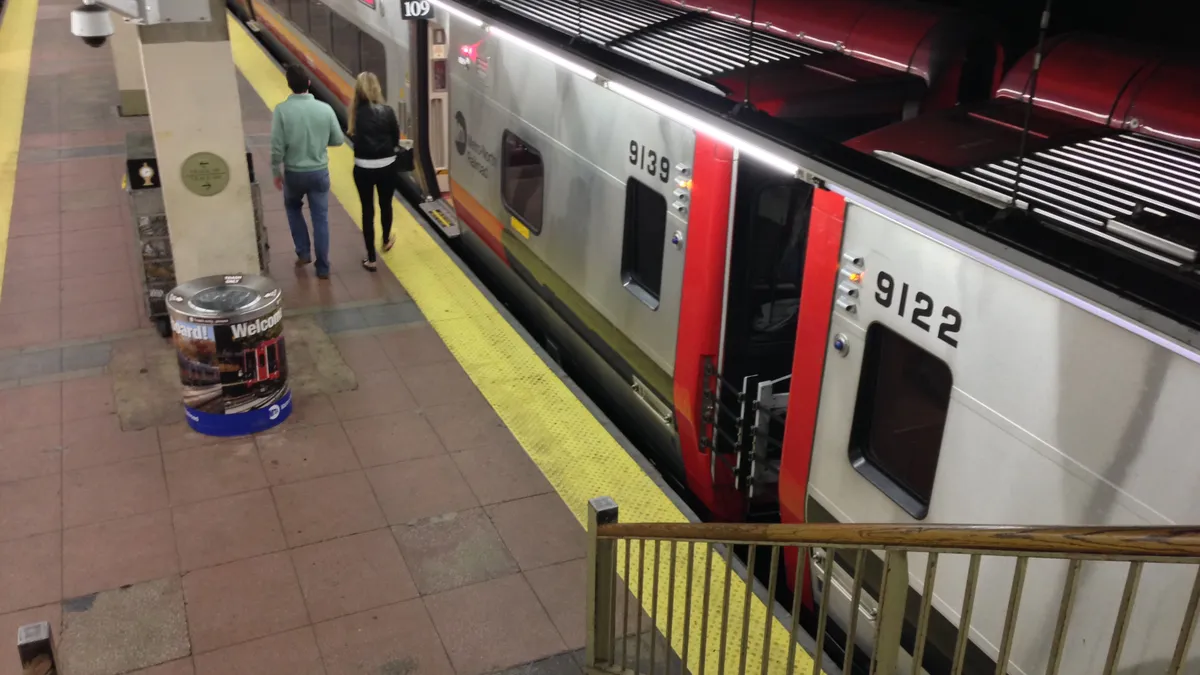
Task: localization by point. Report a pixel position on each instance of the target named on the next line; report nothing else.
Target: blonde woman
(375, 132)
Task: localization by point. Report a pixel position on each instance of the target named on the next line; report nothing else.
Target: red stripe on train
(700, 320)
(808, 365)
(486, 226)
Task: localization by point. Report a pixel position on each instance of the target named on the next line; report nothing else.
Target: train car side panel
(381, 47)
(961, 386)
(571, 182)
(334, 78)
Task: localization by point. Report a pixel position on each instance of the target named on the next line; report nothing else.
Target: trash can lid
(235, 297)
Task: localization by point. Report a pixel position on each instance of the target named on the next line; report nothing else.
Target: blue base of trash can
(240, 424)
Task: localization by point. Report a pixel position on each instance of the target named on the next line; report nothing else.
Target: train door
(431, 135)
(439, 106)
(771, 217)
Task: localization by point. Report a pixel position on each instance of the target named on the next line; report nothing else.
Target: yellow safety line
(16, 46)
(574, 451)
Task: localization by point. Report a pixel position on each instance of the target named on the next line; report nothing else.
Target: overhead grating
(682, 42)
(601, 21)
(1135, 191)
(702, 46)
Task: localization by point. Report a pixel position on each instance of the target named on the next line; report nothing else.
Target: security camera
(92, 23)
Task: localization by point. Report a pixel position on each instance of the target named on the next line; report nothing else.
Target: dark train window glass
(522, 178)
(776, 258)
(899, 418)
(374, 60)
(345, 44)
(642, 251)
(283, 7)
(298, 13)
(319, 26)
(781, 223)
(439, 75)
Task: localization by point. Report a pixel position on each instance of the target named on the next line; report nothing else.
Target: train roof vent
(1134, 191)
(686, 43)
(702, 46)
(601, 21)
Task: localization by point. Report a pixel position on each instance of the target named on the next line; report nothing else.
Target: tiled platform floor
(395, 528)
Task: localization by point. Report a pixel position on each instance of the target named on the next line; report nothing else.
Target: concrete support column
(127, 59)
(192, 89)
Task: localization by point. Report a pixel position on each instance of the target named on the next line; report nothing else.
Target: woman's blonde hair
(366, 90)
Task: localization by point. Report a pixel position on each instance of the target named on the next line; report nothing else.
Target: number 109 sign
(416, 9)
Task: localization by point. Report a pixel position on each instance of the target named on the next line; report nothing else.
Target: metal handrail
(1044, 541)
(705, 626)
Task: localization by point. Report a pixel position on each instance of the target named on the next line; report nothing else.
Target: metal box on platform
(153, 237)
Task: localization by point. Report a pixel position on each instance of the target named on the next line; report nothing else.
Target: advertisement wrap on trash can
(228, 334)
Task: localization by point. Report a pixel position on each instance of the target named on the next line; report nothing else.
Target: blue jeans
(314, 184)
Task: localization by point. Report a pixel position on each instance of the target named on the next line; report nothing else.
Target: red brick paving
(396, 528)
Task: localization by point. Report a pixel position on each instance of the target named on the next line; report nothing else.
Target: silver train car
(932, 339)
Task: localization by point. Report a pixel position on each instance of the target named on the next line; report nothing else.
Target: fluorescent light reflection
(471, 19)
(570, 65)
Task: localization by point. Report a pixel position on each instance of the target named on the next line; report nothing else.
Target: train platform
(418, 513)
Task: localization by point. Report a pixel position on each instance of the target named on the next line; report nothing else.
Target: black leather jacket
(376, 133)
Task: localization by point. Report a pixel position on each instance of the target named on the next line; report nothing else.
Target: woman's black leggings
(368, 181)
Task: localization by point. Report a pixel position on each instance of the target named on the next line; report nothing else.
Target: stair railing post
(890, 621)
(601, 584)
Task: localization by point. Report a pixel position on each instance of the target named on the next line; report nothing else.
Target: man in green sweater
(301, 130)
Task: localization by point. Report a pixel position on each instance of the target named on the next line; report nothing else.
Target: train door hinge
(810, 177)
(718, 435)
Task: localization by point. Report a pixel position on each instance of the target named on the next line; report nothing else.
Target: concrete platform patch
(315, 366)
(123, 630)
(145, 383)
(567, 663)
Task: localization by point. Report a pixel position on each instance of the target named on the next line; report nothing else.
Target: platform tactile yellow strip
(570, 446)
(16, 47)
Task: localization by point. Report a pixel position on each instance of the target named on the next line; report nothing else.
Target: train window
(777, 258)
(374, 60)
(345, 44)
(522, 179)
(642, 251)
(439, 75)
(298, 13)
(319, 25)
(899, 418)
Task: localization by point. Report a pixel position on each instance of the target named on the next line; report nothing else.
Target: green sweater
(301, 128)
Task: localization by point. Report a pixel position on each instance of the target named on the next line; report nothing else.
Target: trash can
(228, 334)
